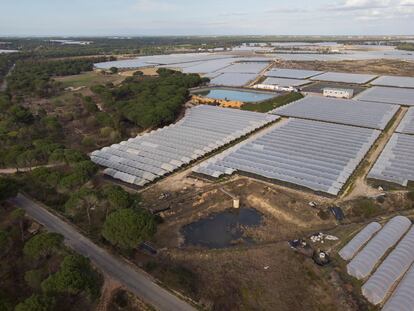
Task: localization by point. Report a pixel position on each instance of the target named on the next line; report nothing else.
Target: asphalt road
(136, 281)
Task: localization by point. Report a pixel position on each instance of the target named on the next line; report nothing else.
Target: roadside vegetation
(273, 103)
(37, 271)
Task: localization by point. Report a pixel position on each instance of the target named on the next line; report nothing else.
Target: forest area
(45, 127)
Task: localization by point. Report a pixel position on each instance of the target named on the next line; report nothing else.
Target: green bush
(37, 303)
(365, 208)
(42, 245)
(34, 278)
(74, 277)
(126, 228)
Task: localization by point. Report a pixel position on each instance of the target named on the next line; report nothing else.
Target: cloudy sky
(209, 17)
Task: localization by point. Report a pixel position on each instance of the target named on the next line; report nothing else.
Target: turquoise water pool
(235, 95)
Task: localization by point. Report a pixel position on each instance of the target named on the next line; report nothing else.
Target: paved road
(138, 282)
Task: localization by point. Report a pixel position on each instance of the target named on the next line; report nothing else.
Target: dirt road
(360, 186)
(9, 171)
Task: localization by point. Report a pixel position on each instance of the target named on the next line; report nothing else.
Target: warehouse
(388, 95)
(343, 111)
(366, 260)
(396, 162)
(291, 152)
(338, 93)
(204, 129)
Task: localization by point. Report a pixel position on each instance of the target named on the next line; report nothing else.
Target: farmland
(118, 149)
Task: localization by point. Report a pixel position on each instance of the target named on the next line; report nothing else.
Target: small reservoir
(223, 229)
(238, 95)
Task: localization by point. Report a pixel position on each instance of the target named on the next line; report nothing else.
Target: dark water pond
(223, 229)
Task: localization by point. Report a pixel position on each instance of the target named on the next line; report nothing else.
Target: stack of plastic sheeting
(407, 124)
(396, 162)
(365, 261)
(353, 246)
(343, 111)
(316, 155)
(390, 271)
(402, 298)
(204, 129)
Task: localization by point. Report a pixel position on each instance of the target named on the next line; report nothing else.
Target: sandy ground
(152, 71)
(107, 291)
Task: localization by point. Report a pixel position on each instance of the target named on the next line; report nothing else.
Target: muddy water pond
(222, 229)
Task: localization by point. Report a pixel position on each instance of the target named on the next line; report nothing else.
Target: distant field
(89, 79)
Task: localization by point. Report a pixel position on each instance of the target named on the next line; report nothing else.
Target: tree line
(34, 77)
(150, 102)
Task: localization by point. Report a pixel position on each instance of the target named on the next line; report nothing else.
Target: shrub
(126, 228)
(42, 245)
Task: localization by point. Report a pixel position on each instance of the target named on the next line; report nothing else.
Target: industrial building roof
(316, 155)
(395, 81)
(354, 78)
(389, 95)
(343, 111)
(204, 129)
(396, 162)
(292, 73)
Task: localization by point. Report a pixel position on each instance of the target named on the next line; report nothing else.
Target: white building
(275, 87)
(338, 93)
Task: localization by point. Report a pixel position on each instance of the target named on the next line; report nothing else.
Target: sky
(207, 17)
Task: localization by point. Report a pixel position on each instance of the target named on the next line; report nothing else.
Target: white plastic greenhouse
(403, 297)
(353, 246)
(391, 270)
(365, 261)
